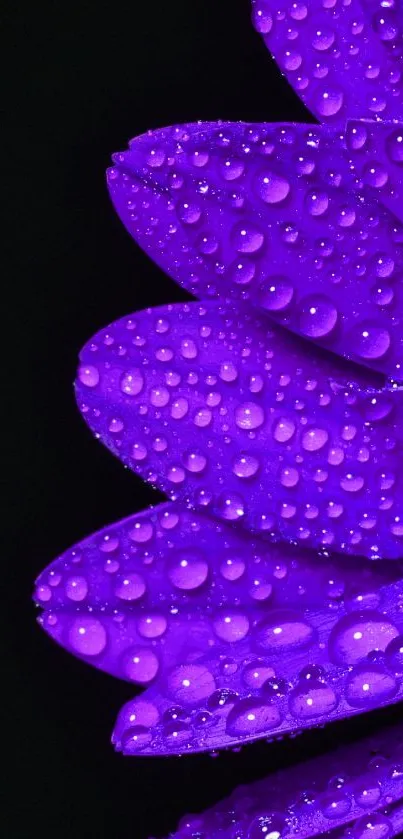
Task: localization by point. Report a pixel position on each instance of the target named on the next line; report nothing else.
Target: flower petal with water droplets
(359, 786)
(225, 632)
(275, 216)
(342, 59)
(250, 426)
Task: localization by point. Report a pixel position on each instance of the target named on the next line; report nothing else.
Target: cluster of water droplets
(343, 57)
(294, 219)
(354, 793)
(223, 631)
(246, 424)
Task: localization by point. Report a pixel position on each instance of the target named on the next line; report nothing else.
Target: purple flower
(271, 415)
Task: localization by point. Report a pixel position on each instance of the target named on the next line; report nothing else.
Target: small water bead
(132, 382)
(357, 634)
(369, 684)
(188, 570)
(190, 683)
(195, 462)
(152, 626)
(394, 146)
(177, 734)
(76, 588)
(87, 636)
(230, 507)
(246, 238)
(173, 714)
(317, 316)
(135, 739)
(179, 408)
(231, 169)
(370, 341)
(276, 293)
(221, 699)
(141, 532)
(266, 826)
(284, 430)
(373, 826)
(116, 425)
(159, 397)
(335, 456)
(250, 717)
(138, 712)
(394, 655)
(139, 452)
(271, 187)
(275, 688)
(382, 295)
(203, 719)
(352, 483)
(189, 212)
(88, 375)
(316, 202)
(329, 102)
(249, 415)
(289, 477)
(245, 466)
(314, 439)
(203, 417)
(231, 626)
(282, 630)
(256, 673)
(130, 587)
(228, 372)
(188, 348)
(336, 805)
(368, 795)
(232, 568)
(312, 698)
(243, 272)
(140, 665)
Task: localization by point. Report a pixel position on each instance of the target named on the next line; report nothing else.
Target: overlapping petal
(344, 59)
(234, 639)
(241, 421)
(283, 217)
(358, 787)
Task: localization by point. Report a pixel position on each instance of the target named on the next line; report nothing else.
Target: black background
(83, 77)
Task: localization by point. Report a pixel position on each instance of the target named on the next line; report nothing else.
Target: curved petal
(233, 639)
(343, 59)
(274, 216)
(359, 786)
(219, 412)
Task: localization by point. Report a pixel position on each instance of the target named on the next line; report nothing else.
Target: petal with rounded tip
(246, 423)
(234, 639)
(274, 216)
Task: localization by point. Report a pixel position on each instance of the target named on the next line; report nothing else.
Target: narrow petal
(359, 786)
(275, 216)
(233, 638)
(238, 420)
(343, 59)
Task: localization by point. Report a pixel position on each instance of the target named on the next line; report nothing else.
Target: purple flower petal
(243, 422)
(278, 217)
(343, 59)
(233, 638)
(359, 786)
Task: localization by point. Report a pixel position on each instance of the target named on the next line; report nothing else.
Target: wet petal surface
(233, 638)
(342, 59)
(283, 217)
(359, 787)
(245, 424)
